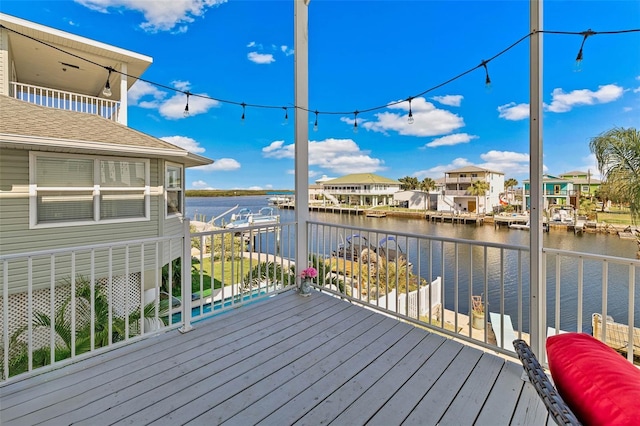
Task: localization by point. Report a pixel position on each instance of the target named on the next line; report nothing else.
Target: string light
(585, 34)
(484, 63)
(315, 125)
(410, 118)
(355, 122)
(107, 86)
(186, 107)
(286, 115)
(487, 80)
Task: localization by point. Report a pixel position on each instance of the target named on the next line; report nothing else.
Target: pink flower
(309, 273)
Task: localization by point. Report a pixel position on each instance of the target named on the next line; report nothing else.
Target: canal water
(618, 277)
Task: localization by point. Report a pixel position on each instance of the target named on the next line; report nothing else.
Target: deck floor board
(285, 360)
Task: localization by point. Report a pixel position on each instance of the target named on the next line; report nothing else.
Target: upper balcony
(32, 71)
(68, 101)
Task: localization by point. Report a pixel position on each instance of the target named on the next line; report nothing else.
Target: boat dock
(376, 213)
(617, 336)
(455, 218)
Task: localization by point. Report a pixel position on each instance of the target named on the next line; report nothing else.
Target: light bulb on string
(243, 110)
(410, 119)
(487, 79)
(315, 125)
(286, 115)
(107, 86)
(585, 35)
(186, 107)
(355, 121)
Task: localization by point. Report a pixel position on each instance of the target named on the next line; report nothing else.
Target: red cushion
(600, 386)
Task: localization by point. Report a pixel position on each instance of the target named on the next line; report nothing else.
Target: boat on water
(279, 199)
(358, 247)
(527, 226)
(245, 218)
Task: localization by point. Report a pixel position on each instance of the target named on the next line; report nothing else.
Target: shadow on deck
(286, 360)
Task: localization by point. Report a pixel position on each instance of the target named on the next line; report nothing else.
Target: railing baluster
(580, 292)
(630, 320)
(557, 301)
(30, 311)
(52, 309)
(605, 284)
(73, 304)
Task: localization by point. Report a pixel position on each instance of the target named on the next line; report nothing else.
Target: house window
(556, 189)
(174, 190)
(72, 190)
(585, 188)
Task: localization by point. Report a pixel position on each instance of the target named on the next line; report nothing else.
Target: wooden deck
(286, 360)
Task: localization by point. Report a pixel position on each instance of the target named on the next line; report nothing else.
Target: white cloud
(451, 100)
(173, 107)
(508, 162)
(627, 109)
(141, 89)
(220, 165)
(185, 142)
(251, 44)
(636, 90)
(340, 156)
(513, 111)
(563, 102)
(158, 15)
(260, 58)
(428, 120)
(450, 140)
(286, 50)
(200, 184)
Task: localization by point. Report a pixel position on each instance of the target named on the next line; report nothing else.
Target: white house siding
(16, 237)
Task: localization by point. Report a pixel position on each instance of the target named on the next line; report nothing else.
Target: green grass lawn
(614, 217)
(232, 271)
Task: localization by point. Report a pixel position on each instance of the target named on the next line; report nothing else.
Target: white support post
(301, 99)
(122, 114)
(185, 280)
(537, 283)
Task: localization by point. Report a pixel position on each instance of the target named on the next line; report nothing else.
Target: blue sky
(364, 54)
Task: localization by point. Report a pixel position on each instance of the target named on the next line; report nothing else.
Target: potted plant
(306, 276)
(477, 312)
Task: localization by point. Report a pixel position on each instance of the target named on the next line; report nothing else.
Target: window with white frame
(174, 189)
(79, 189)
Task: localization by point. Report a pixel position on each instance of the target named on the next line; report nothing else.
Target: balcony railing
(124, 290)
(580, 286)
(473, 290)
(69, 101)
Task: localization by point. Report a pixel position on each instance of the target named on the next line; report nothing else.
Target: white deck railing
(124, 290)
(579, 286)
(69, 101)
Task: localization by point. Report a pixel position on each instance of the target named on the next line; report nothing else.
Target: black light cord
(483, 64)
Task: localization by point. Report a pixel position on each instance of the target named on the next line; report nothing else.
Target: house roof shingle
(22, 123)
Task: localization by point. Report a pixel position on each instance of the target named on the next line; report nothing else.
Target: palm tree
(618, 154)
(427, 185)
(509, 184)
(409, 183)
(479, 188)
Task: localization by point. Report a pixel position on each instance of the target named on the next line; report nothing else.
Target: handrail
(69, 101)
